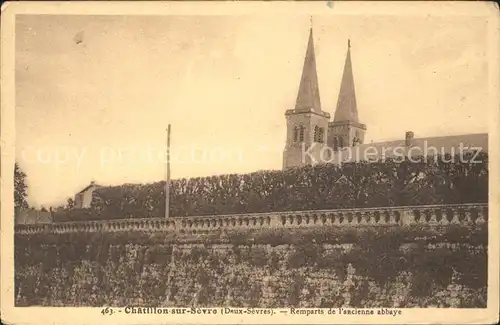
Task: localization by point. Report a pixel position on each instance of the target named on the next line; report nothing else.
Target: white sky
(224, 83)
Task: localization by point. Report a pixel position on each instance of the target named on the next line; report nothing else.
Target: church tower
(346, 130)
(307, 124)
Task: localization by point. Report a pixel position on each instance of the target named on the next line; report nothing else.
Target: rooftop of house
(91, 185)
(417, 146)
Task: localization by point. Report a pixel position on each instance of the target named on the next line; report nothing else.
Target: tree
(70, 203)
(20, 188)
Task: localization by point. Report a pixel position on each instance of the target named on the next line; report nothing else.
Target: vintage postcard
(250, 162)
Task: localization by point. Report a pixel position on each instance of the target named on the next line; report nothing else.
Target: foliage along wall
(326, 267)
(430, 180)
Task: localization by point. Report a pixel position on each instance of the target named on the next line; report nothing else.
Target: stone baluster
(289, 220)
(454, 220)
(296, 219)
(433, 219)
(468, 218)
(330, 218)
(353, 217)
(408, 217)
(275, 220)
(392, 217)
(370, 218)
(344, 219)
(299, 220)
(481, 218)
(361, 218)
(335, 219)
(309, 220)
(444, 218)
(424, 217)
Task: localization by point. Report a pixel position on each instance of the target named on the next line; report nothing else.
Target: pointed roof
(308, 96)
(347, 109)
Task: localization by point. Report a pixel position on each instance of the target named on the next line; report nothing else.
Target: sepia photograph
(286, 164)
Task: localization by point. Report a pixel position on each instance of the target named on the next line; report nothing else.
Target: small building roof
(91, 185)
(418, 147)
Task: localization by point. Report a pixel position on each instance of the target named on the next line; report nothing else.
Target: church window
(341, 142)
(295, 133)
(301, 133)
(335, 144)
(321, 135)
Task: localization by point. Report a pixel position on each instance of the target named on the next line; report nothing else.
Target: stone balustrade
(432, 215)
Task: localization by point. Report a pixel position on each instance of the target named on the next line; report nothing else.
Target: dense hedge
(431, 180)
(107, 269)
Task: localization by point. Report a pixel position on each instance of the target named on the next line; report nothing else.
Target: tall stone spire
(346, 105)
(308, 96)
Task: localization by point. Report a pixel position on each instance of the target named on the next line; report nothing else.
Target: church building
(312, 137)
